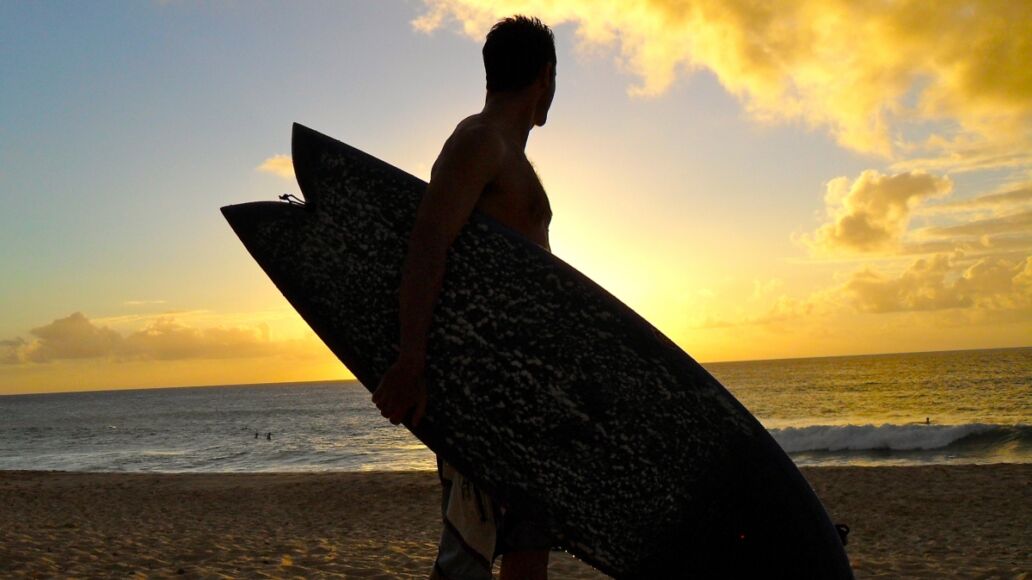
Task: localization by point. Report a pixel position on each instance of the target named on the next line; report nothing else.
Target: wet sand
(907, 522)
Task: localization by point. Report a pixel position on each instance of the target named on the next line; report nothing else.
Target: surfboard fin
(292, 199)
(843, 531)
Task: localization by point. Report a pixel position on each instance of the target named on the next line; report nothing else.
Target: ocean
(963, 407)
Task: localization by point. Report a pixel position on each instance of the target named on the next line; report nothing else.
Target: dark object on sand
(543, 388)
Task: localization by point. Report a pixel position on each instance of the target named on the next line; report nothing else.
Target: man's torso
(515, 197)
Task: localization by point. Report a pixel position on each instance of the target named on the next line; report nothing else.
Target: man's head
(519, 54)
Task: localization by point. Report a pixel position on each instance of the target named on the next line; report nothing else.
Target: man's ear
(545, 76)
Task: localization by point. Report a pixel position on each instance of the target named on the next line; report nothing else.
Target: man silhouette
(482, 165)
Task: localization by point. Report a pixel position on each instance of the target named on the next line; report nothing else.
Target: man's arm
(469, 161)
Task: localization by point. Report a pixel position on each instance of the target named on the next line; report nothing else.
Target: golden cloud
(10, 349)
(986, 244)
(872, 213)
(70, 338)
(782, 314)
(1001, 147)
(281, 165)
(954, 74)
(163, 338)
(944, 286)
(787, 309)
(998, 222)
(765, 288)
(1019, 222)
(990, 283)
(1010, 196)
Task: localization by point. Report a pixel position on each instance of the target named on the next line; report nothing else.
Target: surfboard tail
(249, 220)
(306, 159)
(315, 154)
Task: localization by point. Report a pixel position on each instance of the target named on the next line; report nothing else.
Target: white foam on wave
(871, 437)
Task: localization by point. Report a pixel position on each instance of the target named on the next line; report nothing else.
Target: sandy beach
(907, 522)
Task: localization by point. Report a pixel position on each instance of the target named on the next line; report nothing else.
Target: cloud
(123, 319)
(872, 213)
(950, 288)
(784, 310)
(142, 302)
(947, 80)
(165, 339)
(1019, 222)
(280, 165)
(995, 222)
(710, 321)
(9, 350)
(965, 152)
(162, 338)
(72, 337)
(1011, 196)
(762, 289)
(986, 244)
(933, 284)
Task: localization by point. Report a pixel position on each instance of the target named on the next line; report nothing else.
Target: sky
(826, 178)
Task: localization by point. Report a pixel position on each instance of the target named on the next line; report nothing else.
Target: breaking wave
(891, 437)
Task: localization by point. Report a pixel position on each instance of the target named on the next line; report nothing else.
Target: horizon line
(353, 380)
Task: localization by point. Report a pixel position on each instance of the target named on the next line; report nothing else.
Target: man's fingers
(395, 405)
(386, 404)
(399, 414)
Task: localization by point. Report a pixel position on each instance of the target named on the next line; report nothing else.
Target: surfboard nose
(760, 520)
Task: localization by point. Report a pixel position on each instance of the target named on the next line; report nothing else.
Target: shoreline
(929, 521)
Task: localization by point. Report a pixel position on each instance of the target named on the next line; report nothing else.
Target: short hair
(515, 51)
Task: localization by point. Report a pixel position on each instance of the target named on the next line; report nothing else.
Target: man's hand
(402, 390)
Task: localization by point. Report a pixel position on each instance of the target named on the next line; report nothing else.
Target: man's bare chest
(516, 194)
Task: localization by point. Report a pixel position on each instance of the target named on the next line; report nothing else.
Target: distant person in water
(255, 434)
(268, 436)
(482, 165)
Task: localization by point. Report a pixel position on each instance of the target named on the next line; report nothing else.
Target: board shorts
(477, 530)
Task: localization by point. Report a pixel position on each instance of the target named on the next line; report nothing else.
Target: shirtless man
(482, 165)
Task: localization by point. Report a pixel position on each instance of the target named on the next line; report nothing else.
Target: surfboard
(543, 388)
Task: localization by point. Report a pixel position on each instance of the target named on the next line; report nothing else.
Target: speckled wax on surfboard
(543, 387)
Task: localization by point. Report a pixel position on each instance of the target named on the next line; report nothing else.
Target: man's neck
(513, 112)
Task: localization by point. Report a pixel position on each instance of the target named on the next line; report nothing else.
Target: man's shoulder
(477, 138)
(474, 129)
